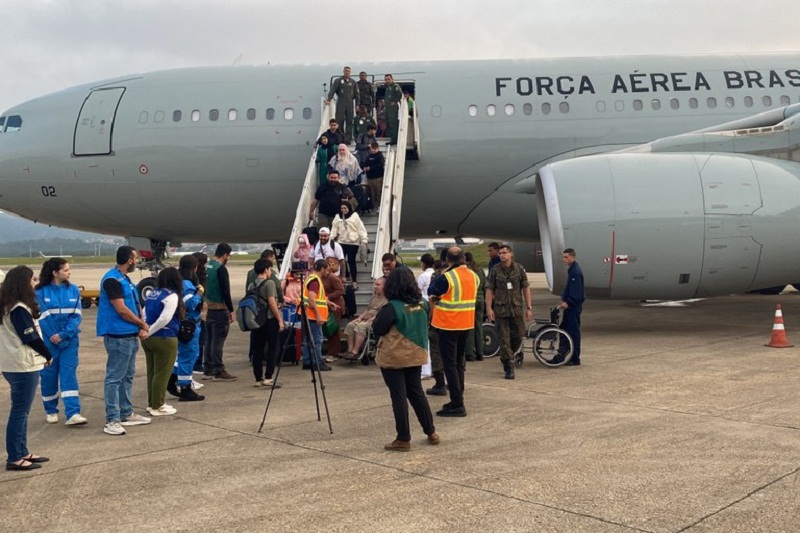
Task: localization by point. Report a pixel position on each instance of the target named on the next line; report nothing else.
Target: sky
(48, 45)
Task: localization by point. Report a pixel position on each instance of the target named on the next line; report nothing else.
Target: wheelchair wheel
(552, 346)
(519, 357)
(491, 343)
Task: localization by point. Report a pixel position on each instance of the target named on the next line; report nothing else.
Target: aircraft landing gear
(151, 253)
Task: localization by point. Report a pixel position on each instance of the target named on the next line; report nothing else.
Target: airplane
(52, 256)
(672, 177)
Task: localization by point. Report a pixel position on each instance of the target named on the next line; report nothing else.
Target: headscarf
(347, 165)
(349, 210)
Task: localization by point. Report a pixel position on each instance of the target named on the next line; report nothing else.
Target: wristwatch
(529, 308)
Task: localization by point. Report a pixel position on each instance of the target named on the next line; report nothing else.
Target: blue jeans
(23, 389)
(217, 326)
(120, 368)
(316, 334)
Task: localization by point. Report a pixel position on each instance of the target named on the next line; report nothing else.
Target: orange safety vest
(322, 302)
(455, 310)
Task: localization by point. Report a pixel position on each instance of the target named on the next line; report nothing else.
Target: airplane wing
(705, 213)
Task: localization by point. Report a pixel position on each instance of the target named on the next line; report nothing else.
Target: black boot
(439, 388)
(188, 395)
(172, 385)
(508, 366)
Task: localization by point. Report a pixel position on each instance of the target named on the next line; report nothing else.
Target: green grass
(478, 250)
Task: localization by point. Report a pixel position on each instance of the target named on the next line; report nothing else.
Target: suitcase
(363, 195)
(350, 308)
(292, 351)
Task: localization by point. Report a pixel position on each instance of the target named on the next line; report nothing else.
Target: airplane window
(509, 109)
(767, 101)
(436, 111)
(2, 123)
(601, 106)
(619, 105)
(545, 108)
(251, 114)
(711, 102)
(491, 110)
(637, 105)
(748, 101)
(213, 115)
(306, 113)
(729, 102)
(232, 114)
(526, 108)
(176, 115)
(288, 113)
(143, 117)
(693, 103)
(473, 110)
(13, 123)
(674, 103)
(785, 100)
(158, 117)
(656, 104)
(195, 115)
(563, 107)
(270, 114)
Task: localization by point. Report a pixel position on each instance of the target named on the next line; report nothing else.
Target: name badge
(509, 285)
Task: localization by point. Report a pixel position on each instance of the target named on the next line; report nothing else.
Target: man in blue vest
(120, 324)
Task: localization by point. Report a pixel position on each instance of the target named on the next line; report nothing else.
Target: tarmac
(679, 419)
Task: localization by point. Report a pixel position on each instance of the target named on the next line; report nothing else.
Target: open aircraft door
(95, 126)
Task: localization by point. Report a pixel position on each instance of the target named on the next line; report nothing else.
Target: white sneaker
(135, 420)
(164, 410)
(52, 419)
(196, 385)
(76, 420)
(113, 428)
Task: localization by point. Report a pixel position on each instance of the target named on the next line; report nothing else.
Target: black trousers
(451, 346)
(265, 348)
(405, 386)
(351, 253)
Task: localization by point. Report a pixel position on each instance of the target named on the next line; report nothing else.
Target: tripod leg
(278, 366)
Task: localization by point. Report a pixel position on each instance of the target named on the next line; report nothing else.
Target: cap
(324, 230)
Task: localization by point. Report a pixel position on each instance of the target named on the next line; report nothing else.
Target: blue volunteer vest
(108, 321)
(153, 306)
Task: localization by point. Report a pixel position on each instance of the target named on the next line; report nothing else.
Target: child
(363, 143)
(303, 252)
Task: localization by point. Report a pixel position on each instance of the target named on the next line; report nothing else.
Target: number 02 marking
(49, 191)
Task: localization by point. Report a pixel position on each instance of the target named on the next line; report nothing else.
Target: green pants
(160, 354)
(474, 347)
(392, 122)
(509, 332)
(436, 355)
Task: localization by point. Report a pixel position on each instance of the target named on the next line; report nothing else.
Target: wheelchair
(368, 351)
(551, 345)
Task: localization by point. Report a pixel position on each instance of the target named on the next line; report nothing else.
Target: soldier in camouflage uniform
(506, 288)
(392, 97)
(366, 92)
(346, 92)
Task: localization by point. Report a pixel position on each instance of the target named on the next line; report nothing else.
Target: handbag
(330, 327)
(186, 330)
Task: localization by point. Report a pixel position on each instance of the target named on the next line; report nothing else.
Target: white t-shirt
(325, 251)
(424, 281)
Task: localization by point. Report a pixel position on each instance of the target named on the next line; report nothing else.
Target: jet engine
(671, 225)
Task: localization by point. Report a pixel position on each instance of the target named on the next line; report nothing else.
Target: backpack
(252, 311)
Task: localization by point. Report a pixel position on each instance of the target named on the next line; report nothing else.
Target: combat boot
(508, 366)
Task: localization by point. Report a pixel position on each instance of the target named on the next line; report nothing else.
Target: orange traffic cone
(778, 339)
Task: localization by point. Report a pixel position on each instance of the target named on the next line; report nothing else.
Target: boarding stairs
(382, 226)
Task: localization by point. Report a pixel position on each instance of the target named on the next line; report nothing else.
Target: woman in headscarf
(349, 231)
(347, 165)
(23, 354)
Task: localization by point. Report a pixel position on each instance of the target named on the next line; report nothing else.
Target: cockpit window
(2, 123)
(13, 123)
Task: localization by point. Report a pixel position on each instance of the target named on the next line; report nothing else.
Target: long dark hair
(202, 259)
(17, 288)
(188, 266)
(171, 279)
(401, 285)
(49, 269)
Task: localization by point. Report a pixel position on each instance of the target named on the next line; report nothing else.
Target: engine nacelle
(671, 226)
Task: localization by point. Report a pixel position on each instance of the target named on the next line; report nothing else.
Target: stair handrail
(308, 191)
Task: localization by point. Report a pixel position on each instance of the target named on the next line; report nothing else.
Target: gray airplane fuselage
(220, 153)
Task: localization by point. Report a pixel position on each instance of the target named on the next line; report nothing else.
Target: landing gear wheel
(491, 343)
(144, 288)
(552, 346)
(86, 303)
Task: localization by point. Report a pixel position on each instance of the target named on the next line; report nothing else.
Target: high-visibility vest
(455, 310)
(321, 301)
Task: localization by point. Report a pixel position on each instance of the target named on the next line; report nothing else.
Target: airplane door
(95, 126)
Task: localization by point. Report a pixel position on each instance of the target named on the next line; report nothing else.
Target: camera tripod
(308, 341)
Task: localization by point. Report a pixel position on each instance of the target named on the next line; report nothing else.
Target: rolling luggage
(350, 308)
